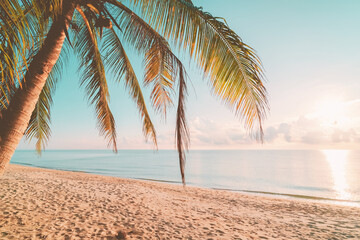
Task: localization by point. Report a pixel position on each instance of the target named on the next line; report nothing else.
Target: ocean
(328, 175)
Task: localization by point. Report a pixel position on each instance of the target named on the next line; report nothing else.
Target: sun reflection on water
(337, 160)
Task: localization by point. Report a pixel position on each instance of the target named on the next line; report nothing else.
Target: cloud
(311, 131)
(355, 101)
(281, 131)
(285, 129)
(344, 136)
(271, 134)
(303, 131)
(313, 137)
(207, 133)
(204, 138)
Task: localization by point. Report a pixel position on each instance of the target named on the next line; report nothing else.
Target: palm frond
(160, 67)
(93, 79)
(232, 66)
(6, 92)
(182, 132)
(39, 125)
(118, 61)
(159, 71)
(13, 41)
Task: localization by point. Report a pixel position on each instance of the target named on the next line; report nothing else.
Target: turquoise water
(332, 174)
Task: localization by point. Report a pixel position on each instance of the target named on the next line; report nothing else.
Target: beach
(38, 203)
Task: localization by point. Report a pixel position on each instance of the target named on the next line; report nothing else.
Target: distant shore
(40, 203)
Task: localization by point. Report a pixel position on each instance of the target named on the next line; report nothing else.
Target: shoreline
(42, 203)
(352, 203)
(335, 201)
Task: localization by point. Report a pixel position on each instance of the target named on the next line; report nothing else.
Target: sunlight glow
(337, 160)
(331, 112)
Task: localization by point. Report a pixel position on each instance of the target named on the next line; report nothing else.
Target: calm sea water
(330, 174)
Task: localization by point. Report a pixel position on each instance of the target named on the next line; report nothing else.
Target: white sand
(48, 204)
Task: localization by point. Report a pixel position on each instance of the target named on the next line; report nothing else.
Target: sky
(310, 51)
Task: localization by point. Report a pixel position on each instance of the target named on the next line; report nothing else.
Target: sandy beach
(38, 203)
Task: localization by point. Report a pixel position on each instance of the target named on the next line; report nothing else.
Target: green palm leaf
(93, 79)
(39, 125)
(232, 66)
(6, 92)
(13, 40)
(117, 61)
(160, 66)
(182, 132)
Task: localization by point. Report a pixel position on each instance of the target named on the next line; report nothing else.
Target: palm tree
(33, 32)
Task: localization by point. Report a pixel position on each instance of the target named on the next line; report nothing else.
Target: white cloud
(302, 132)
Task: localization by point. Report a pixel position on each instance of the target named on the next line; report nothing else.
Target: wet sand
(39, 203)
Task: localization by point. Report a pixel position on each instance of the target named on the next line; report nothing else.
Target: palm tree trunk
(16, 117)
